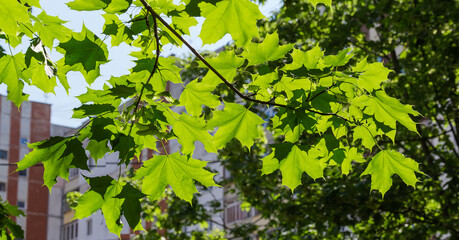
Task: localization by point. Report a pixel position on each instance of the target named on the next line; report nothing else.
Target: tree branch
(155, 66)
(155, 15)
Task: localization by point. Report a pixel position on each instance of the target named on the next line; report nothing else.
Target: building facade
(29, 123)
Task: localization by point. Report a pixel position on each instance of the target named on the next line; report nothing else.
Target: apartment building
(29, 123)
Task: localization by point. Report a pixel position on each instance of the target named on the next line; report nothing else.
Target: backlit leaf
(236, 17)
(387, 163)
(235, 121)
(175, 170)
(268, 50)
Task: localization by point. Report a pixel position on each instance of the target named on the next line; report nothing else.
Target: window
(23, 141)
(73, 173)
(234, 213)
(89, 226)
(3, 154)
(21, 204)
(23, 173)
(2, 186)
(70, 231)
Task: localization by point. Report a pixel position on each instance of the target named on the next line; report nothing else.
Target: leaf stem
(164, 148)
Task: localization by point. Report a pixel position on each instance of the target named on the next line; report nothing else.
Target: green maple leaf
(226, 64)
(289, 85)
(235, 121)
(73, 155)
(292, 162)
(236, 17)
(387, 110)
(11, 68)
(50, 28)
(339, 59)
(268, 50)
(83, 5)
(111, 206)
(47, 150)
(117, 30)
(57, 154)
(325, 2)
(362, 132)
(84, 52)
(175, 170)
(351, 154)
(91, 110)
(373, 75)
(387, 163)
(293, 123)
(311, 59)
(197, 94)
(131, 208)
(88, 204)
(38, 73)
(262, 86)
(183, 22)
(189, 129)
(117, 6)
(97, 149)
(11, 13)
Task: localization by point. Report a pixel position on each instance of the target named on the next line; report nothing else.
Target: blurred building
(30, 123)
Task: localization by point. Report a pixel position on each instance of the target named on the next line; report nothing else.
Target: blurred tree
(418, 40)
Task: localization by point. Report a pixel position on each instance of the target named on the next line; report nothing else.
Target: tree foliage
(260, 84)
(425, 74)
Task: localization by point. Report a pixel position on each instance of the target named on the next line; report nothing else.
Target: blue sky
(120, 61)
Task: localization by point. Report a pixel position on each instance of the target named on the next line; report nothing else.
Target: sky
(120, 61)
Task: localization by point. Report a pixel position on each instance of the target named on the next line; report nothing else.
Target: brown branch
(328, 114)
(155, 66)
(155, 15)
(323, 91)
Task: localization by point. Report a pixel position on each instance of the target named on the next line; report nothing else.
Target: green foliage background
(330, 109)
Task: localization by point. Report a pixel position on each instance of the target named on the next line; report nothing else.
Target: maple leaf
(117, 30)
(88, 204)
(11, 13)
(11, 68)
(387, 163)
(325, 2)
(102, 195)
(84, 52)
(351, 154)
(236, 17)
(58, 155)
(235, 121)
(292, 162)
(189, 129)
(362, 132)
(83, 5)
(131, 208)
(289, 85)
(175, 170)
(226, 64)
(339, 59)
(293, 123)
(373, 75)
(197, 94)
(50, 28)
(311, 59)
(268, 50)
(387, 110)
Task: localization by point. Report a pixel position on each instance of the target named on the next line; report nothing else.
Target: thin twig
(323, 91)
(155, 66)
